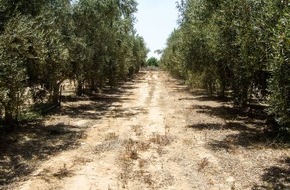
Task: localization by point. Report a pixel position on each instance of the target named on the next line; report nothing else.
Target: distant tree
(152, 61)
(158, 51)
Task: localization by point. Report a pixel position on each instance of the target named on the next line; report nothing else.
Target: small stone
(230, 179)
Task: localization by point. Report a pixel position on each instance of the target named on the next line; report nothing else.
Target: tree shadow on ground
(25, 146)
(276, 177)
(22, 148)
(246, 137)
(250, 131)
(93, 110)
(252, 139)
(202, 97)
(127, 113)
(251, 127)
(213, 126)
(178, 88)
(245, 129)
(253, 136)
(232, 113)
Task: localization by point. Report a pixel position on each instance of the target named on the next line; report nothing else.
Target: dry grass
(81, 160)
(187, 142)
(125, 161)
(160, 150)
(138, 130)
(126, 169)
(133, 166)
(163, 140)
(63, 172)
(143, 163)
(111, 136)
(131, 149)
(143, 145)
(107, 146)
(148, 180)
(202, 164)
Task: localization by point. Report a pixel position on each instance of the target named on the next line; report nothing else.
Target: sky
(156, 19)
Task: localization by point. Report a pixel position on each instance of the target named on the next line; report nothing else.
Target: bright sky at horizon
(156, 19)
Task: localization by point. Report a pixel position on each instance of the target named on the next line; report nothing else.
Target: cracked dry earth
(151, 138)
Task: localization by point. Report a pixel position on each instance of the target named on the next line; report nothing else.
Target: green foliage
(113, 49)
(172, 58)
(234, 46)
(14, 46)
(152, 61)
(42, 43)
(280, 71)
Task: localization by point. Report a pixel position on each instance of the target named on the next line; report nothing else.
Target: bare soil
(151, 133)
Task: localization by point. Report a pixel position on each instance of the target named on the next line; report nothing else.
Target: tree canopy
(44, 43)
(152, 61)
(240, 47)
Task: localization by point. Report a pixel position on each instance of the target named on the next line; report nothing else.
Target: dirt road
(154, 134)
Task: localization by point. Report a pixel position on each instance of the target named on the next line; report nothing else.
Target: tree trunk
(92, 86)
(79, 88)
(56, 94)
(8, 118)
(222, 90)
(10, 107)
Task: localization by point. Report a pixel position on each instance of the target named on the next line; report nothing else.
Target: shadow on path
(276, 177)
(20, 150)
(23, 148)
(251, 133)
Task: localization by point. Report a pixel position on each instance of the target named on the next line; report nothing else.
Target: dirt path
(158, 136)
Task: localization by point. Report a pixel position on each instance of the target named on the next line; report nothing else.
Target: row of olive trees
(236, 46)
(42, 43)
